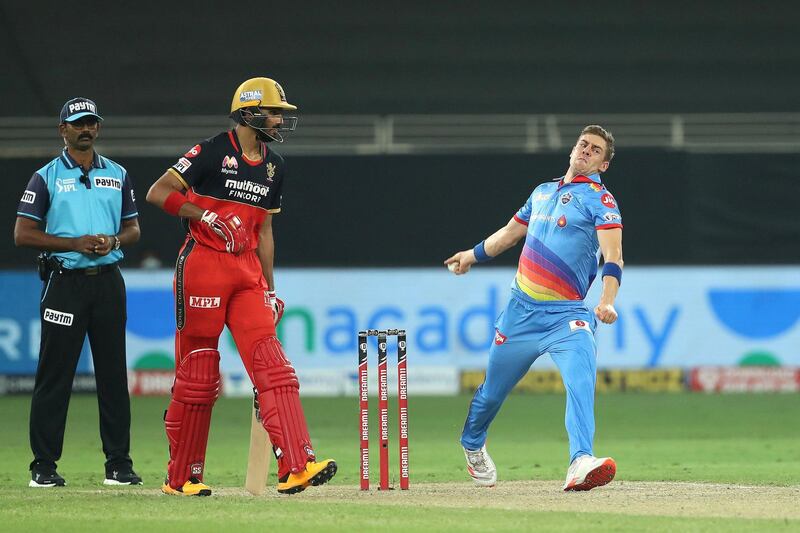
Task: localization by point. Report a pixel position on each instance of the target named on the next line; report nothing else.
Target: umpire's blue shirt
(72, 208)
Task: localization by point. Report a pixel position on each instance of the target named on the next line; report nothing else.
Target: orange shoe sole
(602, 475)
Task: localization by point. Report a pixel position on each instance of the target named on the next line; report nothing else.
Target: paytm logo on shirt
(108, 183)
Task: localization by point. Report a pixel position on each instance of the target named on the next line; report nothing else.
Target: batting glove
(229, 228)
(277, 306)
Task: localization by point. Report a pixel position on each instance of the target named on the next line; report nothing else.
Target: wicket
(383, 406)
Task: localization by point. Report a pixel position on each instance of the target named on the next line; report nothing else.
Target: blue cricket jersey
(72, 208)
(560, 256)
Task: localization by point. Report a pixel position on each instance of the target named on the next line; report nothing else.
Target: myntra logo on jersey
(246, 190)
(204, 302)
(109, 183)
(229, 165)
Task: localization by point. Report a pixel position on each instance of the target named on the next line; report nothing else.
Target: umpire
(86, 203)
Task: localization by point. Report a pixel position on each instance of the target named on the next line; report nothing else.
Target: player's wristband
(480, 252)
(613, 270)
(174, 202)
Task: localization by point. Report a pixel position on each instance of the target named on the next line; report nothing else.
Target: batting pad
(281, 410)
(188, 416)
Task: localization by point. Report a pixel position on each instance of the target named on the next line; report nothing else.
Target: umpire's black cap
(77, 108)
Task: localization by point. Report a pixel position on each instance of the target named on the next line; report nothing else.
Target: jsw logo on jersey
(499, 338)
(204, 302)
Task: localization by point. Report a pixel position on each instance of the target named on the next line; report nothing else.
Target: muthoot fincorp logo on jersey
(246, 190)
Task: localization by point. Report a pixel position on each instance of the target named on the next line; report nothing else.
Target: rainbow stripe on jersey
(542, 275)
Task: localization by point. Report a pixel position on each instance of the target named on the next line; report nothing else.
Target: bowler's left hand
(605, 313)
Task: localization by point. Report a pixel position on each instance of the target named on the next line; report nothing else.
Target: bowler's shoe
(481, 467)
(587, 472)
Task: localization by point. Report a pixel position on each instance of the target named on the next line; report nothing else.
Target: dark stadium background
(680, 206)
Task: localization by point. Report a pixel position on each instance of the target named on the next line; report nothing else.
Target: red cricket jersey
(219, 177)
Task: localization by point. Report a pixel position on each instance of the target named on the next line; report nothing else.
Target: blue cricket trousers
(524, 331)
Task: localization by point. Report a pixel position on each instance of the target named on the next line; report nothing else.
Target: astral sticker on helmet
(247, 96)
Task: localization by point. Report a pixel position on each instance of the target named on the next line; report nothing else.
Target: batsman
(228, 188)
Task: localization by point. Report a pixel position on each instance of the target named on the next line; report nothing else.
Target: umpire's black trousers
(74, 303)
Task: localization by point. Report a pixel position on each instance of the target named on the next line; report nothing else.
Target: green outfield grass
(737, 439)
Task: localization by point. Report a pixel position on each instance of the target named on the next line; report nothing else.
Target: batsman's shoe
(315, 474)
(193, 487)
(46, 478)
(587, 472)
(122, 475)
(481, 467)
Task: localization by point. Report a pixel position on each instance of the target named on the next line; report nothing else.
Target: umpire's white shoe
(481, 467)
(587, 472)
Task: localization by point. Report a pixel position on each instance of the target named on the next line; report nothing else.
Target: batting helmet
(260, 92)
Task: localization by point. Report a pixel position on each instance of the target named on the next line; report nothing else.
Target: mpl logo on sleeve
(58, 317)
(108, 182)
(204, 302)
(579, 324)
(29, 197)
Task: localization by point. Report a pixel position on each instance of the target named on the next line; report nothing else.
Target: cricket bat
(259, 458)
